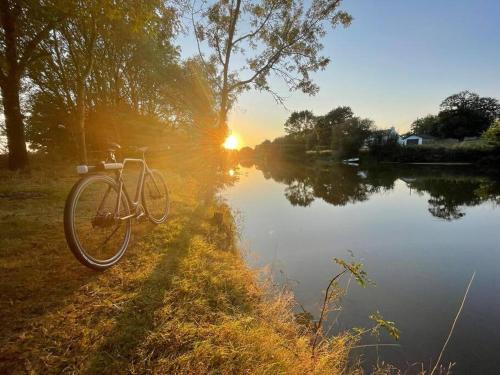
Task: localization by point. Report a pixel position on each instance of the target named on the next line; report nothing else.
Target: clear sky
(396, 62)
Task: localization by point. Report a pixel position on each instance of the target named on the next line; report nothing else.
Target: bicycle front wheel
(155, 197)
(95, 229)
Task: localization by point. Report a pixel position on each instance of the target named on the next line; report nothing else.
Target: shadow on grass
(137, 319)
(37, 270)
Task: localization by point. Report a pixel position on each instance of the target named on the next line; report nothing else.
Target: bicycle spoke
(98, 236)
(109, 237)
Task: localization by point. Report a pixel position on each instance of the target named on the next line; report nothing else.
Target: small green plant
(332, 295)
(387, 325)
(356, 270)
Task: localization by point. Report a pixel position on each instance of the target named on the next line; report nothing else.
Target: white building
(417, 139)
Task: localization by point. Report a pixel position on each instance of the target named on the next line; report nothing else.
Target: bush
(493, 133)
(384, 145)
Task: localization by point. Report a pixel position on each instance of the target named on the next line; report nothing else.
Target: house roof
(423, 136)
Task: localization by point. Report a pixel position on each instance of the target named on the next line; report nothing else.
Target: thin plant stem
(323, 309)
(454, 323)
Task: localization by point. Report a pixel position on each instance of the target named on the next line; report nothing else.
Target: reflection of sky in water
(421, 263)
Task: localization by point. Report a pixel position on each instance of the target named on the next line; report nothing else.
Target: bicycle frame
(136, 203)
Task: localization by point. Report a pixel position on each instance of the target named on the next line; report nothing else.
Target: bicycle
(98, 212)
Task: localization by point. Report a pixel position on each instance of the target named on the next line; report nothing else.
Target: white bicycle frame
(136, 205)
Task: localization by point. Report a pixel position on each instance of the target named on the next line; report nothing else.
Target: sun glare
(231, 143)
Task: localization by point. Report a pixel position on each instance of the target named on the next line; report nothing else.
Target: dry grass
(181, 301)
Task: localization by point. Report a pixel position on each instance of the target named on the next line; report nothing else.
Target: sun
(231, 143)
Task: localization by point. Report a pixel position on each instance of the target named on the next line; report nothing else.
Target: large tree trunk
(223, 112)
(224, 105)
(18, 155)
(10, 85)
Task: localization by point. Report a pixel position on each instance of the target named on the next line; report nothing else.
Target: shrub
(493, 133)
(384, 145)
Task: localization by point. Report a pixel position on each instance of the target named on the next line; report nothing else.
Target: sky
(396, 62)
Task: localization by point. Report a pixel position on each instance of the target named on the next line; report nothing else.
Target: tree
(103, 68)
(192, 98)
(426, 125)
(24, 24)
(384, 144)
(466, 114)
(336, 116)
(272, 37)
(350, 135)
(328, 122)
(300, 122)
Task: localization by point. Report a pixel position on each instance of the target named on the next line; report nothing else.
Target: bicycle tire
(72, 237)
(165, 206)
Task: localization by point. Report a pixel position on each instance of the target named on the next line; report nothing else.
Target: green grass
(181, 301)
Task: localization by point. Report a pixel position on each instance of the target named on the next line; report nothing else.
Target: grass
(181, 301)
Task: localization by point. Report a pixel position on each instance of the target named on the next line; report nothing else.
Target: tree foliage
(300, 122)
(426, 125)
(493, 133)
(383, 144)
(350, 135)
(328, 122)
(338, 130)
(466, 114)
(104, 59)
(249, 41)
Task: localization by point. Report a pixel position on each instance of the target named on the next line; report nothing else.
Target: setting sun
(231, 143)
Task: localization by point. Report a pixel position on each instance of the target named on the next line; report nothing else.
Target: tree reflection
(450, 190)
(449, 195)
(299, 193)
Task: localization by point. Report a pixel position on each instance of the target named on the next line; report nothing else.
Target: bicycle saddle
(142, 149)
(112, 147)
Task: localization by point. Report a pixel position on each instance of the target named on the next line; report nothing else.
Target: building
(417, 139)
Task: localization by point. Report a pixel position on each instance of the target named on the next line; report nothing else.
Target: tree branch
(29, 50)
(309, 26)
(200, 54)
(217, 46)
(254, 33)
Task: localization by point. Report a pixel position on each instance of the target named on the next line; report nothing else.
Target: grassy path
(56, 313)
(181, 301)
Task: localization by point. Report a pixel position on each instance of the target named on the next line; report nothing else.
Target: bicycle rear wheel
(155, 197)
(96, 237)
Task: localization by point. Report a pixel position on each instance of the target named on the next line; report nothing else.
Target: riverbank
(474, 152)
(181, 301)
(478, 152)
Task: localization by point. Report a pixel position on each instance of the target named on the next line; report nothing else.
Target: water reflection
(450, 189)
(419, 230)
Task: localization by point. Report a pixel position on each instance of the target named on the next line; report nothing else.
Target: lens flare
(231, 143)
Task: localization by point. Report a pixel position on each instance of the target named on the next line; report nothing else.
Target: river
(420, 231)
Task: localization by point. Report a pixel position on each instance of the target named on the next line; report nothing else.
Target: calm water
(420, 231)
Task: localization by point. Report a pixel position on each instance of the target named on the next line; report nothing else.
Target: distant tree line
(465, 114)
(341, 134)
(338, 130)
